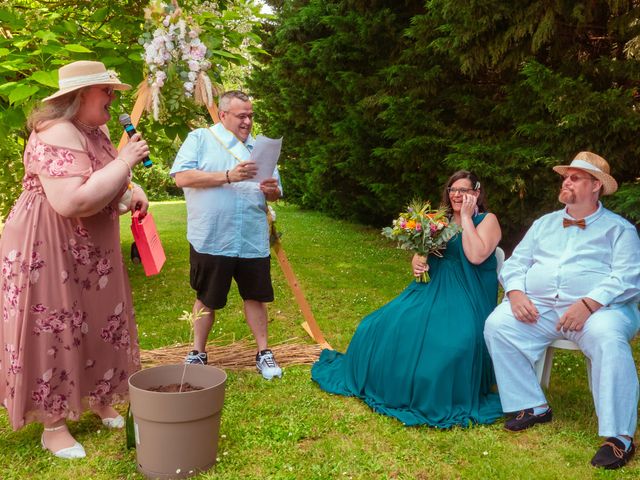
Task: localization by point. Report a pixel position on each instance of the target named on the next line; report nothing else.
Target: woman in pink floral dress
(68, 339)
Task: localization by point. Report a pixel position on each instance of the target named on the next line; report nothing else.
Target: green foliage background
(380, 101)
(37, 37)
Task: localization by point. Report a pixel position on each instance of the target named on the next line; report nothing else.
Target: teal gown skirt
(421, 358)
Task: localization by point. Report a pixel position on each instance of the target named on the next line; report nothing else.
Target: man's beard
(567, 196)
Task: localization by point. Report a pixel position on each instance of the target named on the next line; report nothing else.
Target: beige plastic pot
(176, 433)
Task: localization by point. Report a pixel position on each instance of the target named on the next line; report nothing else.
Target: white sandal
(75, 451)
(116, 422)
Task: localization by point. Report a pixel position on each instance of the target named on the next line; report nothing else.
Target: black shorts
(211, 278)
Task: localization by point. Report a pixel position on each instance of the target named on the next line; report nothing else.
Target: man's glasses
(574, 178)
(241, 116)
(462, 191)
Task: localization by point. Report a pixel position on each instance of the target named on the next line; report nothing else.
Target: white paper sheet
(265, 153)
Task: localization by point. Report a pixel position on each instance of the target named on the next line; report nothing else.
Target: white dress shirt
(556, 266)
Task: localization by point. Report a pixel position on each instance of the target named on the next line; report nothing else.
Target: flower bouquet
(422, 230)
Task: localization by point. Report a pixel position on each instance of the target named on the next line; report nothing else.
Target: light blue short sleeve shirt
(229, 220)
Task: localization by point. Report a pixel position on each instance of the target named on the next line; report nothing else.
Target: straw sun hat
(594, 165)
(85, 73)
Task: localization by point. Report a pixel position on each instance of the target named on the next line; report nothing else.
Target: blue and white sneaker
(196, 358)
(267, 365)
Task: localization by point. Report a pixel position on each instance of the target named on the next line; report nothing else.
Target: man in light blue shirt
(575, 275)
(227, 226)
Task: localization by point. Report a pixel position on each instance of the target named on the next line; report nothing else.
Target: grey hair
(227, 97)
(62, 108)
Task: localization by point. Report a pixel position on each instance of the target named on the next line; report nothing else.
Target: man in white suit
(575, 275)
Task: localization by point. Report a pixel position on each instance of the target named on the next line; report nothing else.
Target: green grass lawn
(289, 428)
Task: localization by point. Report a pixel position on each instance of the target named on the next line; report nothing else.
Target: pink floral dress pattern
(68, 338)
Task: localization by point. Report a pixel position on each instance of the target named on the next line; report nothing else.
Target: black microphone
(125, 121)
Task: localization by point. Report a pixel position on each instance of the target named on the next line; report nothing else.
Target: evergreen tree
(380, 101)
(321, 88)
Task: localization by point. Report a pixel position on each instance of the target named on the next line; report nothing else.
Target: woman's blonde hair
(61, 108)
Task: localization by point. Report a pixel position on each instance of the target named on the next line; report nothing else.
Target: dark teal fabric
(421, 358)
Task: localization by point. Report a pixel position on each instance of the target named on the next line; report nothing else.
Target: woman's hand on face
(419, 265)
(469, 201)
(135, 150)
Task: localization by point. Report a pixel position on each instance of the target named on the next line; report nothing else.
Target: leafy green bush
(626, 201)
(37, 37)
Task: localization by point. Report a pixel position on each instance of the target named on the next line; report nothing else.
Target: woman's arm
(478, 242)
(139, 200)
(77, 197)
(481, 241)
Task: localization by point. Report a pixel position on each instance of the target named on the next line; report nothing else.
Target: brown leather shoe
(612, 454)
(526, 418)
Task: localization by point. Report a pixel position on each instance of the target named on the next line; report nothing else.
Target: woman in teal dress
(421, 358)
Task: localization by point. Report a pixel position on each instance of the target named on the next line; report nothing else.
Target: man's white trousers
(515, 347)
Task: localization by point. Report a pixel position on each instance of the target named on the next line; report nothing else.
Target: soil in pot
(175, 388)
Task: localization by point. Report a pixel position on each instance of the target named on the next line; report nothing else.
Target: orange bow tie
(566, 222)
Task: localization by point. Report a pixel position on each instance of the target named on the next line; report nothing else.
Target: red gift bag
(147, 240)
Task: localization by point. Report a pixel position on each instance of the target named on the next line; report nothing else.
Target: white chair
(499, 259)
(543, 366)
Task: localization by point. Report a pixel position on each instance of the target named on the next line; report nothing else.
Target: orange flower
(411, 224)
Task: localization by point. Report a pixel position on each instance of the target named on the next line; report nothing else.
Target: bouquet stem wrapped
(424, 276)
(422, 230)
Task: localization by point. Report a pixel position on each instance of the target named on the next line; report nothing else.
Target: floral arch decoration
(176, 60)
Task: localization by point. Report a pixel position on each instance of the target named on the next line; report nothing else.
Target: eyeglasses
(241, 116)
(453, 191)
(107, 90)
(574, 178)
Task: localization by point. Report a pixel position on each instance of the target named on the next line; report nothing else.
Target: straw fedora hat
(85, 73)
(595, 166)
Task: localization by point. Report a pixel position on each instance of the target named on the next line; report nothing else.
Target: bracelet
(587, 305)
(128, 166)
(227, 175)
